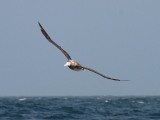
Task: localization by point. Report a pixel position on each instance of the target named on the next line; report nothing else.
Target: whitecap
(141, 102)
(66, 98)
(22, 99)
(106, 101)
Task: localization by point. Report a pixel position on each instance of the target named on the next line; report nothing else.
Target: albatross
(72, 64)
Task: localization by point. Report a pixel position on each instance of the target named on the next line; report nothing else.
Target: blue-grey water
(80, 108)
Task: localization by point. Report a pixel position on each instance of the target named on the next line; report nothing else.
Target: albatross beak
(67, 64)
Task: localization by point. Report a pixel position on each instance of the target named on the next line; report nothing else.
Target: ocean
(80, 108)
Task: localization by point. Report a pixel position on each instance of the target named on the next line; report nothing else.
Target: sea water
(80, 108)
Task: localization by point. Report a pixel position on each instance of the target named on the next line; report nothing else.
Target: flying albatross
(72, 64)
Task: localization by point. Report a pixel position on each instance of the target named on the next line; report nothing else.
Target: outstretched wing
(49, 39)
(102, 74)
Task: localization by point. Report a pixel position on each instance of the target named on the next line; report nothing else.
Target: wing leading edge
(50, 40)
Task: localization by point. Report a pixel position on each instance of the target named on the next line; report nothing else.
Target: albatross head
(67, 64)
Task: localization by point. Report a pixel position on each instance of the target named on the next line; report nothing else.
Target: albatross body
(72, 64)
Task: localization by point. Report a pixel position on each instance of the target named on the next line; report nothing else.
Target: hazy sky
(119, 38)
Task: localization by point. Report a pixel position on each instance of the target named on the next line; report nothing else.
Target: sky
(118, 38)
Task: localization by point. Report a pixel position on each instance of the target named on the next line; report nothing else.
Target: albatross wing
(102, 74)
(49, 39)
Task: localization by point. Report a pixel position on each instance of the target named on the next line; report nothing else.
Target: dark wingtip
(124, 80)
(39, 25)
(119, 80)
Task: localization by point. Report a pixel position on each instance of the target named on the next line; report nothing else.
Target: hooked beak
(67, 64)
